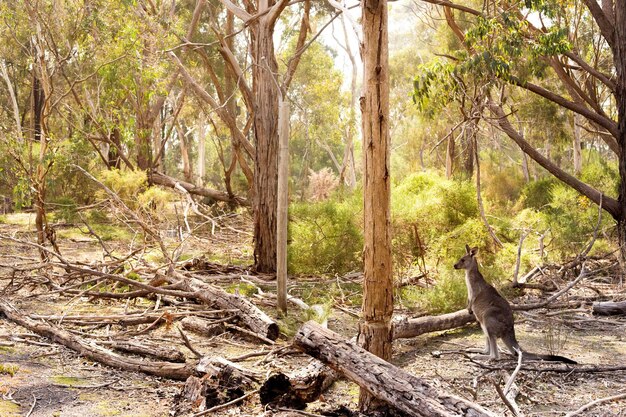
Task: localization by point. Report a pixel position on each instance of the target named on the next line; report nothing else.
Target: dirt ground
(51, 380)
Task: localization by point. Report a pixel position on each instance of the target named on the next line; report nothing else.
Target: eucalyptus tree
(571, 53)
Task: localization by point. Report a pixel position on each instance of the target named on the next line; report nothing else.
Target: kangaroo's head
(468, 259)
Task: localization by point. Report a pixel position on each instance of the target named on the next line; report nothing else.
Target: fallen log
(381, 379)
(167, 181)
(406, 327)
(148, 348)
(248, 313)
(298, 388)
(609, 308)
(179, 371)
(203, 327)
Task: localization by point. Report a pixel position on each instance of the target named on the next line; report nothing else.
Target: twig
(596, 402)
(32, 407)
(228, 404)
(519, 257)
(511, 380)
(504, 399)
(188, 343)
(304, 413)
(249, 333)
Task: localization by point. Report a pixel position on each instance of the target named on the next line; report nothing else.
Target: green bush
(66, 210)
(537, 194)
(326, 237)
(449, 294)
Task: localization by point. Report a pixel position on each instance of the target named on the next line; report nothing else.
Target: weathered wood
(180, 371)
(298, 388)
(167, 181)
(248, 313)
(405, 328)
(203, 327)
(145, 347)
(381, 379)
(609, 308)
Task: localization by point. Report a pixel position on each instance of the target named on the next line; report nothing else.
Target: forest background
(141, 93)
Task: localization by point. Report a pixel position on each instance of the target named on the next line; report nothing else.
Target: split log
(179, 371)
(248, 313)
(299, 388)
(162, 179)
(609, 308)
(406, 328)
(203, 327)
(408, 393)
(222, 382)
(148, 348)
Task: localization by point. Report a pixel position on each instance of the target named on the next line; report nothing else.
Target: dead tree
(384, 381)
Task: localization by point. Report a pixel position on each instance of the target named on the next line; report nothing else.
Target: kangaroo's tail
(551, 358)
(511, 343)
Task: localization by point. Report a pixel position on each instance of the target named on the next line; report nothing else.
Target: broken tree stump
(298, 388)
(406, 328)
(609, 308)
(383, 380)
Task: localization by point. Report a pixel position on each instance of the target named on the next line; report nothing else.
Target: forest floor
(39, 377)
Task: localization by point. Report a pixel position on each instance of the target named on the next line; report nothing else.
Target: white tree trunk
(283, 204)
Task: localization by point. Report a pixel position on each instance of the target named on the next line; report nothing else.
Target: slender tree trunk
(348, 170)
(201, 129)
(283, 206)
(266, 156)
(184, 152)
(577, 145)
(450, 157)
(16, 109)
(375, 326)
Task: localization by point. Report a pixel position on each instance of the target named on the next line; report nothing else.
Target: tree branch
(609, 204)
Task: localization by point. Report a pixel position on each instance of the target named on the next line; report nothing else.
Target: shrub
(326, 237)
(322, 184)
(66, 210)
(536, 194)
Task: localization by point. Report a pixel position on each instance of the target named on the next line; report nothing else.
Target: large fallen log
(609, 308)
(162, 179)
(381, 379)
(179, 371)
(406, 328)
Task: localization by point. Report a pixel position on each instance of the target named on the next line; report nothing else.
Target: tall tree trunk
(375, 326)
(619, 58)
(266, 151)
(283, 206)
(348, 169)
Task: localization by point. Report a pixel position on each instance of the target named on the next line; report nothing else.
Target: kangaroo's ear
(467, 249)
(473, 251)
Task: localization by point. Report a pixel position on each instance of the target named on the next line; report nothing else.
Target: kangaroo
(493, 312)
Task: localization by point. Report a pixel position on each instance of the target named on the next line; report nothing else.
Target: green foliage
(243, 288)
(66, 210)
(536, 194)
(8, 369)
(326, 237)
(126, 184)
(449, 294)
